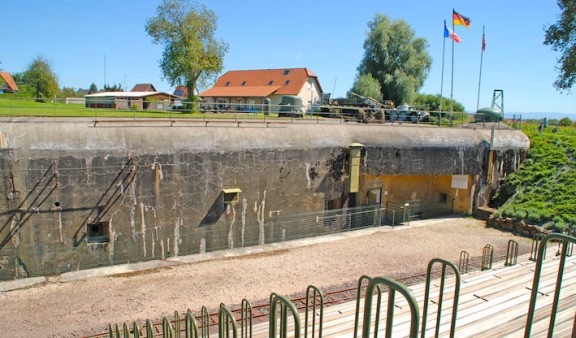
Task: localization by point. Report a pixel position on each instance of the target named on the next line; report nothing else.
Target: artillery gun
(366, 109)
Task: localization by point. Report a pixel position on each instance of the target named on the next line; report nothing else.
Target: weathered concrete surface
(158, 189)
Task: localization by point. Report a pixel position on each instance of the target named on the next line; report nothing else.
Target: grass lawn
(26, 107)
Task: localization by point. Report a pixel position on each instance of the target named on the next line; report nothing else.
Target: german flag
(459, 19)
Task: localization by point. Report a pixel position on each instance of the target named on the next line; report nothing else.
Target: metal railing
(393, 287)
(139, 107)
(314, 306)
(457, 281)
(565, 242)
(487, 257)
(284, 315)
(280, 308)
(511, 253)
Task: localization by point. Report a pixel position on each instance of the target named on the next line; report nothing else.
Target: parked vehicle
(291, 106)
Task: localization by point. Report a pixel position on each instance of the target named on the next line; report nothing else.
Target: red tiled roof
(253, 83)
(247, 91)
(9, 80)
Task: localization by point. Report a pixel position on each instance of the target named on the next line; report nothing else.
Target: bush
(565, 122)
(534, 217)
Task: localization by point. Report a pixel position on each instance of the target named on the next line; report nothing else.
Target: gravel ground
(82, 307)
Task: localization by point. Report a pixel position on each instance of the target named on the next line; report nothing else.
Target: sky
(106, 42)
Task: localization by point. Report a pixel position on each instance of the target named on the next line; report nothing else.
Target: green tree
(113, 88)
(366, 85)
(93, 88)
(562, 37)
(565, 122)
(40, 79)
(67, 92)
(192, 55)
(432, 102)
(396, 58)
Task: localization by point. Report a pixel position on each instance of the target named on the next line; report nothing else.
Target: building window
(227, 83)
(97, 232)
(443, 198)
(287, 82)
(243, 83)
(271, 82)
(286, 71)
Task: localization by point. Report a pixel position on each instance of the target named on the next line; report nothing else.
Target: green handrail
(167, 329)
(149, 329)
(457, 282)
(463, 263)
(226, 323)
(205, 322)
(565, 240)
(511, 253)
(246, 319)
(359, 297)
(282, 304)
(536, 239)
(393, 286)
(313, 296)
(191, 325)
(487, 256)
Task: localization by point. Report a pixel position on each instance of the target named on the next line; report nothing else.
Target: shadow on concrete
(22, 216)
(215, 212)
(121, 182)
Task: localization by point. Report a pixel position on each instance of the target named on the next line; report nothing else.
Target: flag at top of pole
(448, 33)
(459, 19)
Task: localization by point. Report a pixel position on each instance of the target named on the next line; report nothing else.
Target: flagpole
(452, 76)
(442, 78)
(480, 76)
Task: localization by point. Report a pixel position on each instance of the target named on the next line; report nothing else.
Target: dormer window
(243, 83)
(271, 82)
(227, 83)
(286, 71)
(287, 82)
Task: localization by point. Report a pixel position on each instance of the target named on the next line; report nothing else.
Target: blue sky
(324, 36)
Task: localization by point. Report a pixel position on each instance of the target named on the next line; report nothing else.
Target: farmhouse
(138, 100)
(7, 83)
(244, 89)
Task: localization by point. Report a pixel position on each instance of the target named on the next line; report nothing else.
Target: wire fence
(147, 108)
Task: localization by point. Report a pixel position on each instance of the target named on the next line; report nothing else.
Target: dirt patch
(87, 306)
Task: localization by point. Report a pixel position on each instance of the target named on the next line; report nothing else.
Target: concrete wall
(159, 190)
